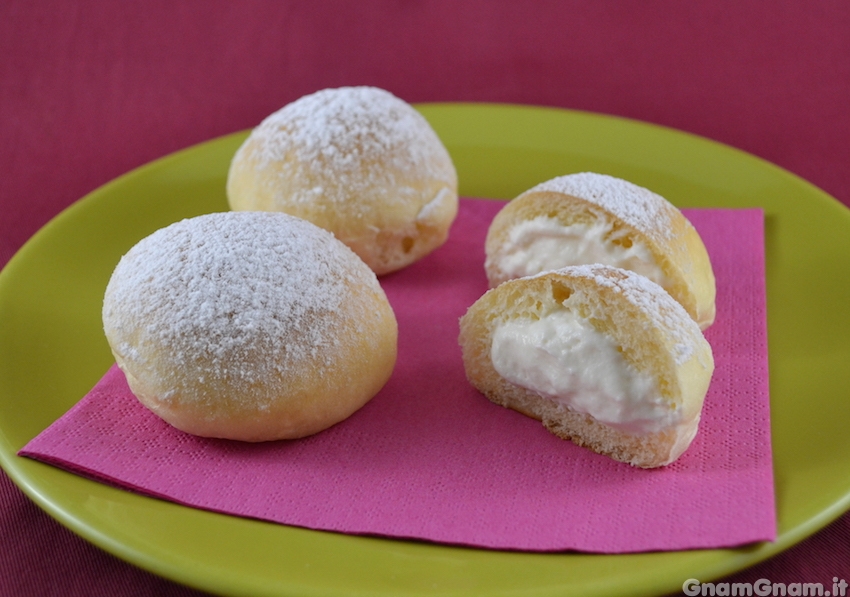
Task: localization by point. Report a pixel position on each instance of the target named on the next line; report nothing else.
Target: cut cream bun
(357, 161)
(601, 355)
(250, 326)
(594, 218)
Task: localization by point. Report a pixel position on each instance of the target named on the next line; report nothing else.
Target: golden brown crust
(672, 240)
(356, 161)
(250, 326)
(654, 334)
(316, 401)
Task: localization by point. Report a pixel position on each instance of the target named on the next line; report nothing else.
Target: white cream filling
(543, 244)
(564, 358)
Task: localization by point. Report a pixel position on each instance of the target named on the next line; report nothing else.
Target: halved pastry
(594, 218)
(601, 355)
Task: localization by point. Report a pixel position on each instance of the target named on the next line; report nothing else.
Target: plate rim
(745, 556)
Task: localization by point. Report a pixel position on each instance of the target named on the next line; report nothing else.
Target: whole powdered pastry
(251, 326)
(587, 218)
(357, 161)
(601, 355)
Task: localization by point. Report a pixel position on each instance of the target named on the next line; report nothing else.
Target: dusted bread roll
(357, 161)
(600, 355)
(250, 326)
(593, 218)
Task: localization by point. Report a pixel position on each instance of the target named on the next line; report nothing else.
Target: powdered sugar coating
(640, 208)
(351, 138)
(233, 297)
(663, 311)
(356, 161)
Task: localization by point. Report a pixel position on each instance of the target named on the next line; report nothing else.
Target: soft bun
(600, 355)
(594, 218)
(249, 326)
(357, 161)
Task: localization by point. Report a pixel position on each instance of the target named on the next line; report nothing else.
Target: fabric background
(90, 90)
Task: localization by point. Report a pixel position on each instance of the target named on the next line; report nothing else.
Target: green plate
(52, 351)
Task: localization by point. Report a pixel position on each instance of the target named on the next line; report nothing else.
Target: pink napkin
(430, 458)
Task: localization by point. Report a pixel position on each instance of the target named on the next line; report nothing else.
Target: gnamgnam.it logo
(764, 587)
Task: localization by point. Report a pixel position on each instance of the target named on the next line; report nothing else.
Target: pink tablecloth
(89, 90)
(430, 458)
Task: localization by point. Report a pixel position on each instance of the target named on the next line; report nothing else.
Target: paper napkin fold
(430, 458)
